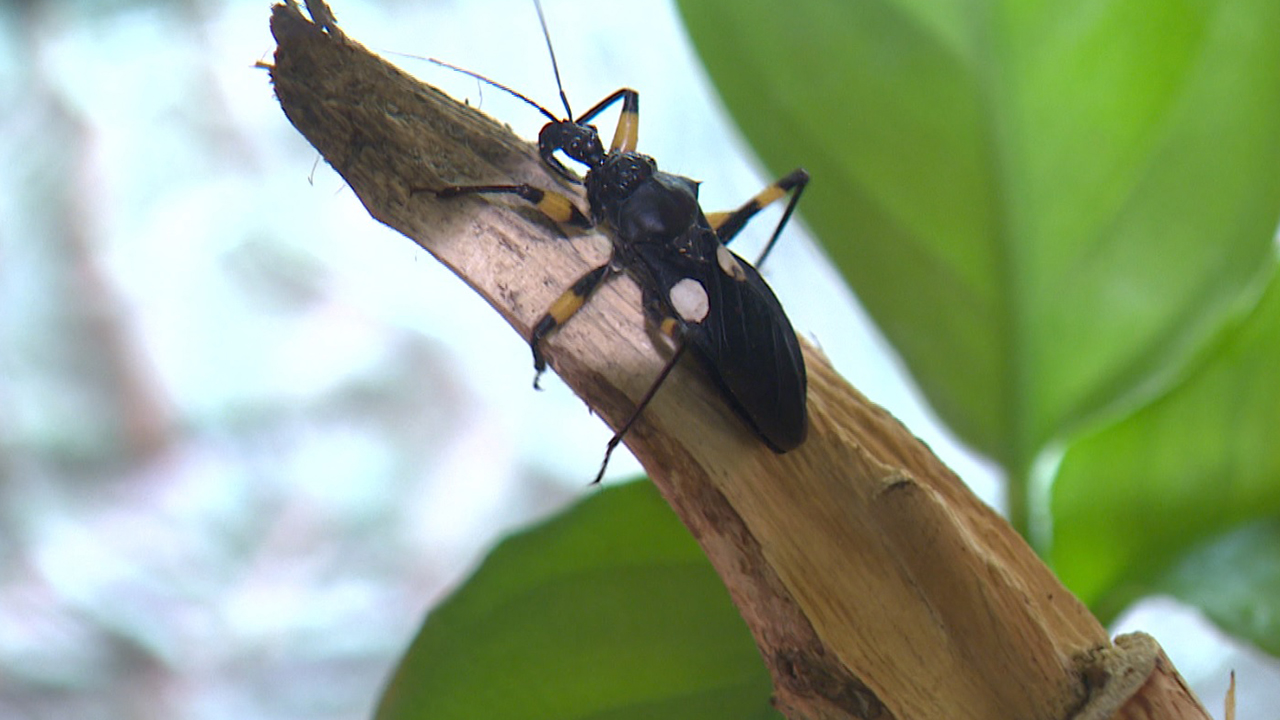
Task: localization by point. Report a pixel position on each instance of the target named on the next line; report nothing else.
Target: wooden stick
(876, 585)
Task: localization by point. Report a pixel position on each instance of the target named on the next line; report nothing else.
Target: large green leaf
(609, 612)
(1235, 580)
(1047, 205)
(1131, 499)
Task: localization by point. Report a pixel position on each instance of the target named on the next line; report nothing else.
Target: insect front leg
(728, 224)
(555, 206)
(580, 141)
(627, 133)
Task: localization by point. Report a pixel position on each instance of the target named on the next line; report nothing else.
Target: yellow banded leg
(552, 204)
(728, 224)
(565, 307)
(627, 134)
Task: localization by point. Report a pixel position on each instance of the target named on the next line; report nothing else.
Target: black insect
(695, 290)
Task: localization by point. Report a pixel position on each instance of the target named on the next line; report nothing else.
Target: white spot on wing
(690, 300)
(729, 264)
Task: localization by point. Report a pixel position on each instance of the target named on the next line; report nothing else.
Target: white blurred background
(248, 435)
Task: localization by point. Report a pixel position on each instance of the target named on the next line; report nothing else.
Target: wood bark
(876, 585)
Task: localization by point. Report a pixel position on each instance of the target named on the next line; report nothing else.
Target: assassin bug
(695, 290)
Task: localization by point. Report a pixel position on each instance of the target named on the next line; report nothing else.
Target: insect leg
(626, 135)
(565, 306)
(640, 406)
(552, 204)
(728, 224)
(658, 313)
(559, 208)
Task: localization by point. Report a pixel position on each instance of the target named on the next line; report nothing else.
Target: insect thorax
(640, 203)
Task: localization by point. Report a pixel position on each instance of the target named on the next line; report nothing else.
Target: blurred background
(248, 435)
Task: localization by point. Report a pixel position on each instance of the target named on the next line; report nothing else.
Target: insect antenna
(555, 67)
(498, 85)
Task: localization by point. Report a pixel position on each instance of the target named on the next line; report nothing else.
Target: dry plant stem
(875, 584)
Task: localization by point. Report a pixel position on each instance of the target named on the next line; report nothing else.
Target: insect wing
(745, 337)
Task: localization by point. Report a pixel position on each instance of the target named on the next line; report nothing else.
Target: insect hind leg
(639, 408)
(664, 324)
(728, 224)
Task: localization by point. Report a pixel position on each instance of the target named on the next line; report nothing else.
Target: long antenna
(555, 67)
(498, 85)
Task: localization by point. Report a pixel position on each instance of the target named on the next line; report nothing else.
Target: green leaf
(1132, 499)
(1046, 206)
(1235, 580)
(607, 611)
